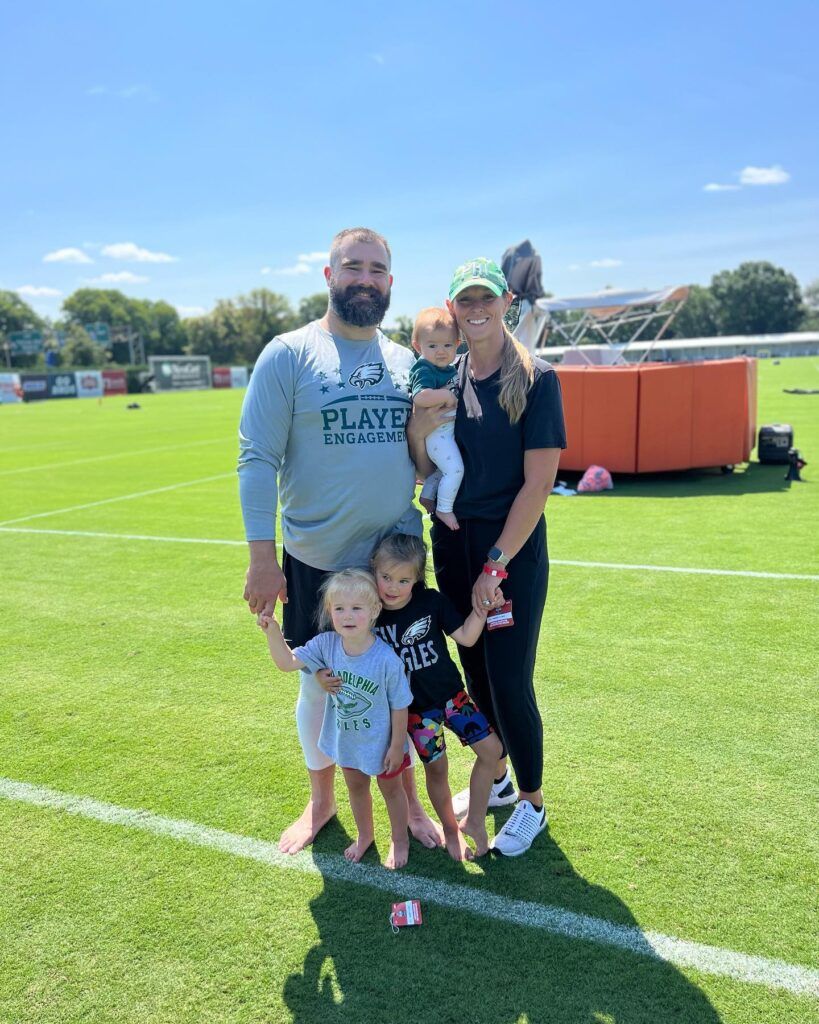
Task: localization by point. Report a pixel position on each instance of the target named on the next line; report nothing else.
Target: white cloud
(69, 255)
(305, 263)
(133, 91)
(34, 291)
(130, 251)
(712, 186)
(121, 277)
(377, 57)
(606, 262)
(775, 175)
(573, 266)
(184, 311)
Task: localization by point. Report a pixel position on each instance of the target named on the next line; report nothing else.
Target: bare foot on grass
(456, 845)
(355, 851)
(306, 827)
(478, 833)
(398, 854)
(425, 830)
(448, 518)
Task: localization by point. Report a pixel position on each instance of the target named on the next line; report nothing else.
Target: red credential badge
(405, 914)
(501, 617)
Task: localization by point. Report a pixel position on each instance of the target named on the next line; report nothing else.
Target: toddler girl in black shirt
(415, 621)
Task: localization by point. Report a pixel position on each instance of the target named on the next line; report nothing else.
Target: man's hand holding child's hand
(264, 620)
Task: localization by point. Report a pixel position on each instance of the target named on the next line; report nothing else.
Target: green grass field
(680, 728)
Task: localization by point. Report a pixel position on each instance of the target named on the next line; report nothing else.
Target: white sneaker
(524, 824)
(502, 794)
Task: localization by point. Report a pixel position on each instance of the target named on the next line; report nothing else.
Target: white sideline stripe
(121, 497)
(686, 569)
(553, 561)
(756, 970)
(126, 536)
(114, 455)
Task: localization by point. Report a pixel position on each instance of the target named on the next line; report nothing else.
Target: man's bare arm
(265, 583)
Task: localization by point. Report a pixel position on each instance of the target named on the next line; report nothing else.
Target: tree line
(756, 298)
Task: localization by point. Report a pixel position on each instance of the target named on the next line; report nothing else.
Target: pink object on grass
(596, 478)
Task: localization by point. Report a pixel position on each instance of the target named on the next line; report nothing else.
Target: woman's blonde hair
(359, 584)
(517, 374)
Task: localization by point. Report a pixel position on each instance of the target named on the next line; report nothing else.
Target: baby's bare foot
(355, 851)
(448, 518)
(478, 832)
(398, 854)
(456, 845)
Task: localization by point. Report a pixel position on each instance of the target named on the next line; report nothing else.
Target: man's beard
(359, 306)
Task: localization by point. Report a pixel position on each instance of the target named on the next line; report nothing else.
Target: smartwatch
(496, 555)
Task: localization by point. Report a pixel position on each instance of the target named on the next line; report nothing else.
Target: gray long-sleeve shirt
(323, 432)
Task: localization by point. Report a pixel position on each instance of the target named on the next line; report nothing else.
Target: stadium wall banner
(35, 386)
(89, 383)
(238, 376)
(180, 373)
(222, 377)
(10, 388)
(114, 383)
(62, 385)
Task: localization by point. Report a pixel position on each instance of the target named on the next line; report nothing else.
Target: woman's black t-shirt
(492, 448)
(417, 633)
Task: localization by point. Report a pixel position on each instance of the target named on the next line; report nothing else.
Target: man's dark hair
(357, 235)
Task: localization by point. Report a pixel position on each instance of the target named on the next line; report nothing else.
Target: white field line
(689, 570)
(554, 561)
(756, 970)
(114, 455)
(121, 497)
(127, 536)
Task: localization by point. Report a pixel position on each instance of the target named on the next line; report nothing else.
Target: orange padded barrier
(720, 413)
(571, 384)
(659, 416)
(664, 421)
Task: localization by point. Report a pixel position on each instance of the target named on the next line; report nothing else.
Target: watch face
(496, 555)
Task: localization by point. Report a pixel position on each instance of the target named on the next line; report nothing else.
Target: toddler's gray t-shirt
(356, 729)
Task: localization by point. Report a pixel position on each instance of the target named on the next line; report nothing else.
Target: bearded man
(323, 436)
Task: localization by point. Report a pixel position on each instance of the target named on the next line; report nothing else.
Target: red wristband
(500, 573)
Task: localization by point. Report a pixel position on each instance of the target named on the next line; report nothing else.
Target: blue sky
(190, 152)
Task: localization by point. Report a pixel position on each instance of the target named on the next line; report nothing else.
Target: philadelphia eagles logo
(367, 373)
(350, 704)
(418, 629)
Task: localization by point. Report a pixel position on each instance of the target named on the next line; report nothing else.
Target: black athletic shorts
(300, 614)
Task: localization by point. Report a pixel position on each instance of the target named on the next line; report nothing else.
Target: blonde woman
(509, 429)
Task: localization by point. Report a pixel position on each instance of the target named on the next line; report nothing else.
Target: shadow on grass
(460, 966)
(694, 483)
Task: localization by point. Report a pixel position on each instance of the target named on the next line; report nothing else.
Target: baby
(432, 383)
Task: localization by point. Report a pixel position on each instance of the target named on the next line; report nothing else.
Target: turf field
(680, 724)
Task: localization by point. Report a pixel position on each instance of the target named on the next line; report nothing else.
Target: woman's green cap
(481, 271)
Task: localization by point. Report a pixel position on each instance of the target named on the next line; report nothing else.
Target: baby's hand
(264, 621)
(328, 680)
